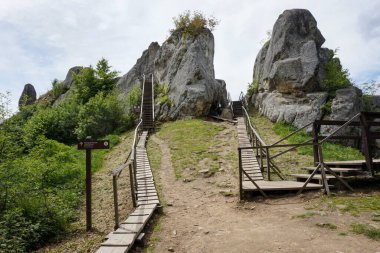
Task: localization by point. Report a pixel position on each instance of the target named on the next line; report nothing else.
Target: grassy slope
(365, 208)
(78, 240)
(190, 140)
(291, 162)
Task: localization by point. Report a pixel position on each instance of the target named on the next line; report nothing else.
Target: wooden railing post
(240, 176)
(366, 142)
(115, 201)
(132, 183)
(268, 162)
(315, 143)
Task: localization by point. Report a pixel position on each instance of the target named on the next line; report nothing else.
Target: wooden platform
(122, 240)
(251, 166)
(278, 186)
(350, 163)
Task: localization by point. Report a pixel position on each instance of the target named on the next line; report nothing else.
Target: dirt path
(202, 217)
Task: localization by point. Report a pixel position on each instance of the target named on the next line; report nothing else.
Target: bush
(161, 92)
(43, 190)
(253, 88)
(193, 24)
(57, 123)
(90, 81)
(58, 88)
(336, 76)
(102, 115)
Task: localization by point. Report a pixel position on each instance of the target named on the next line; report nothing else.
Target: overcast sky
(41, 39)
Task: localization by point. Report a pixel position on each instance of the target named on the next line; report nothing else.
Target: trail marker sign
(88, 145)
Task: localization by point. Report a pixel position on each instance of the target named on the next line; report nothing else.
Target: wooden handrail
(252, 129)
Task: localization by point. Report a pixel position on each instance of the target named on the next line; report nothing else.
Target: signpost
(88, 145)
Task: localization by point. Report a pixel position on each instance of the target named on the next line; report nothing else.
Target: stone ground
(205, 215)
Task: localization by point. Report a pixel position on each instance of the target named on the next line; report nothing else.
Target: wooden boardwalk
(252, 167)
(123, 238)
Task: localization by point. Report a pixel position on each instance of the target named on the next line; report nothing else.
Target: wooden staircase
(237, 109)
(147, 106)
(345, 169)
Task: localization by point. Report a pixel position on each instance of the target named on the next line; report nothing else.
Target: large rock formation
(28, 95)
(143, 66)
(289, 70)
(185, 64)
(69, 81)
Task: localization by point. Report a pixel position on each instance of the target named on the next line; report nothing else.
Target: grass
(355, 205)
(77, 239)
(189, 141)
(305, 215)
(154, 238)
(155, 157)
(293, 161)
(327, 225)
(363, 229)
(331, 151)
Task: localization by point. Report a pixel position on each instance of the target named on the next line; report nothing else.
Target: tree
(90, 81)
(5, 102)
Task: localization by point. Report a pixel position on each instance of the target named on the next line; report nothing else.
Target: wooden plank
(120, 240)
(129, 228)
(278, 185)
(141, 212)
(147, 202)
(136, 219)
(316, 176)
(105, 249)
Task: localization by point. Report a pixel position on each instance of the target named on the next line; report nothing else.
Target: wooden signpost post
(88, 145)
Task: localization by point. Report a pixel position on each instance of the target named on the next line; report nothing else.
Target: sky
(41, 39)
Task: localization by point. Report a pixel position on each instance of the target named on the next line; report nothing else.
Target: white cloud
(42, 39)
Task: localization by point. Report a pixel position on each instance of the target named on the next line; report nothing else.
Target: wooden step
(336, 169)
(316, 176)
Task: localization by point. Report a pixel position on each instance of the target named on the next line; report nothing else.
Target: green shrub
(193, 24)
(134, 97)
(58, 88)
(253, 87)
(43, 190)
(102, 115)
(336, 77)
(161, 92)
(90, 81)
(57, 123)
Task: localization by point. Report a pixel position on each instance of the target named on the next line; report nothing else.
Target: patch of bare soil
(102, 205)
(204, 215)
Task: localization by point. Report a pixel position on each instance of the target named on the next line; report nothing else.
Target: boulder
(28, 95)
(289, 70)
(346, 104)
(293, 110)
(289, 62)
(68, 82)
(143, 66)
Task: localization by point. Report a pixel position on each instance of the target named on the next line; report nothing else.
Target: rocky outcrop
(284, 107)
(289, 61)
(28, 95)
(185, 64)
(289, 70)
(143, 66)
(69, 81)
(346, 104)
